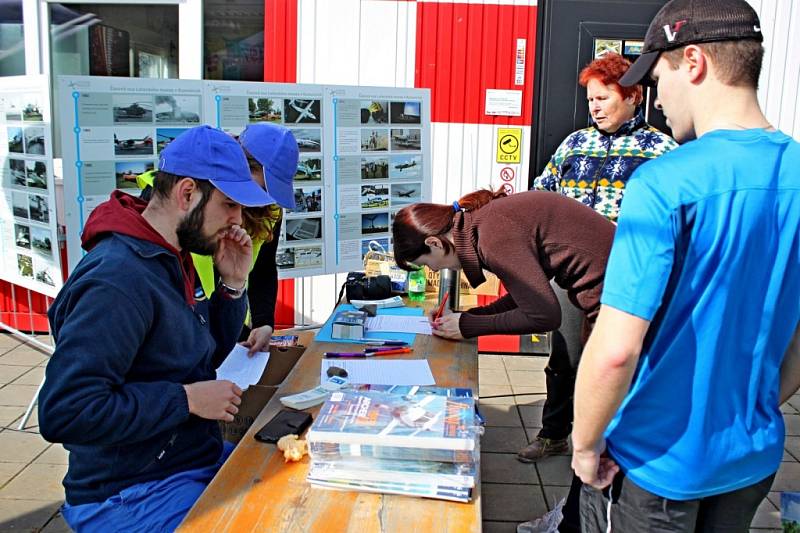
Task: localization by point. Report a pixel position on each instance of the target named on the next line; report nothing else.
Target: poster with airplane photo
(233, 106)
(392, 129)
(112, 130)
(355, 144)
(27, 214)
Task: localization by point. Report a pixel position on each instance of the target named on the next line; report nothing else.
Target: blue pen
(382, 342)
(344, 354)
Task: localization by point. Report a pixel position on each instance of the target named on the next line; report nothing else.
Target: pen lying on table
(395, 351)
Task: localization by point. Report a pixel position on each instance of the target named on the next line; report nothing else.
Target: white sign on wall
(29, 254)
(364, 153)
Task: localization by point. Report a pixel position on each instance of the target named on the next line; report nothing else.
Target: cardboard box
(281, 361)
(491, 287)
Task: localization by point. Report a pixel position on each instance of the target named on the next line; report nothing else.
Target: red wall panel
(280, 65)
(464, 49)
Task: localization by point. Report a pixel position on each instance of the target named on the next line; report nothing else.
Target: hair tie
(456, 207)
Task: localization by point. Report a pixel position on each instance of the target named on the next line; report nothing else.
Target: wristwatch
(232, 293)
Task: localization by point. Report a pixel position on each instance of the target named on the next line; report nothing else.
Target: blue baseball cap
(275, 148)
(206, 153)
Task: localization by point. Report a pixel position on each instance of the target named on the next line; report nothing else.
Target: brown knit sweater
(527, 239)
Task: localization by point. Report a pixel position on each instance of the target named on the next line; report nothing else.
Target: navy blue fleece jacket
(129, 335)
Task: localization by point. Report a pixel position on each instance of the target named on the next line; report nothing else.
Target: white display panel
(380, 160)
(29, 254)
(364, 153)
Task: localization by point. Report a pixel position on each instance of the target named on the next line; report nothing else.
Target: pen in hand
(440, 309)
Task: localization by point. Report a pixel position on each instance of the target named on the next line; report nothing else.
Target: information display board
(29, 254)
(364, 153)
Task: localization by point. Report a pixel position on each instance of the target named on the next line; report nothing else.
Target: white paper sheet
(241, 369)
(404, 372)
(399, 324)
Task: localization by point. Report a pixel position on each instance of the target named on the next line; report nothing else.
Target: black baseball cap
(682, 22)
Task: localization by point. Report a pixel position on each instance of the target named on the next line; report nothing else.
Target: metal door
(570, 33)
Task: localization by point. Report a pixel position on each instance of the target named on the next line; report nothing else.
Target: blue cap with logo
(206, 153)
(275, 148)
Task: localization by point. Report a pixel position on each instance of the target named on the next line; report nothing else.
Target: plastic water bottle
(416, 285)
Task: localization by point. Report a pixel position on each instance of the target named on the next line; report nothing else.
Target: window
(233, 40)
(114, 40)
(12, 50)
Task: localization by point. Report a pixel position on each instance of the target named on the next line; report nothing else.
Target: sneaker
(541, 448)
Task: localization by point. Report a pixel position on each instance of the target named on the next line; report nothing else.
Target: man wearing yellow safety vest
(272, 155)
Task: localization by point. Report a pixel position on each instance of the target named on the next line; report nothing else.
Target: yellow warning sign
(509, 145)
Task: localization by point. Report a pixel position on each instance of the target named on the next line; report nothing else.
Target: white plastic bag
(547, 523)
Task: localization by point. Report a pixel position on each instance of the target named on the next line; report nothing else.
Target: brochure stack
(409, 440)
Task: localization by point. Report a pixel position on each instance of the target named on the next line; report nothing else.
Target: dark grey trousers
(635, 510)
(566, 346)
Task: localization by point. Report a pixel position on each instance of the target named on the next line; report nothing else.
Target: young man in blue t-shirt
(677, 419)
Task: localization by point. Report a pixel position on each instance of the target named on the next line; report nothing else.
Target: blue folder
(324, 334)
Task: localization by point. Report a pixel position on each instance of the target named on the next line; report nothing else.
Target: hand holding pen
(437, 314)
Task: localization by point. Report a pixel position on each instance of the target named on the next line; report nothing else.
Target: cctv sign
(509, 145)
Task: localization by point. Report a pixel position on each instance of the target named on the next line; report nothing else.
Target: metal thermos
(448, 281)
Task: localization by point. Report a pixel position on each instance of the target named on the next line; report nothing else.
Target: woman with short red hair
(593, 165)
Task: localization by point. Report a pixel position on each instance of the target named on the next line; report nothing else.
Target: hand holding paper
(242, 369)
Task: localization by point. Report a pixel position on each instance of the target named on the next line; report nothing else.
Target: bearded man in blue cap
(130, 389)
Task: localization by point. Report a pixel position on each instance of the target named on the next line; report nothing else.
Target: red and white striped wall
(457, 49)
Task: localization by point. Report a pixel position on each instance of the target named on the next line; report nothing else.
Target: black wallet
(284, 423)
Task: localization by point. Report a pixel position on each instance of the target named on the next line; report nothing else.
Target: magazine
(429, 421)
(455, 494)
(331, 451)
(426, 472)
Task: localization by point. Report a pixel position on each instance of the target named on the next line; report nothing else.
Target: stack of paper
(417, 442)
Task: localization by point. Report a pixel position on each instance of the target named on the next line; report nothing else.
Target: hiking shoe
(541, 448)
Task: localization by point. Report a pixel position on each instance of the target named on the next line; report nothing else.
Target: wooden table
(256, 491)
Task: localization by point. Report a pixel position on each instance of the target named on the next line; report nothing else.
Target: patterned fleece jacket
(593, 166)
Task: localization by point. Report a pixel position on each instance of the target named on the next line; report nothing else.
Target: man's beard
(190, 233)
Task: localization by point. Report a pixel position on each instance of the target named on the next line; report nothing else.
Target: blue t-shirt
(708, 249)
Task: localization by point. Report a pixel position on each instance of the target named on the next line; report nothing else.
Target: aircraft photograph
(44, 277)
(37, 174)
(405, 112)
(374, 140)
(308, 139)
(301, 111)
(132, 109)
(40, 239)
(126, 172)
(15, 140)
(40, 212)
(373, 196)
(308, 257)
(406, 139)
(309, 169)
(164, 136)
(34, 141)
(406, 193)
(19, 203)
(17, 167)
(182, 109)
(25, 265)
(23, 236)
(133, 146)
(374, 169)
(406, 167)
(264, 110)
